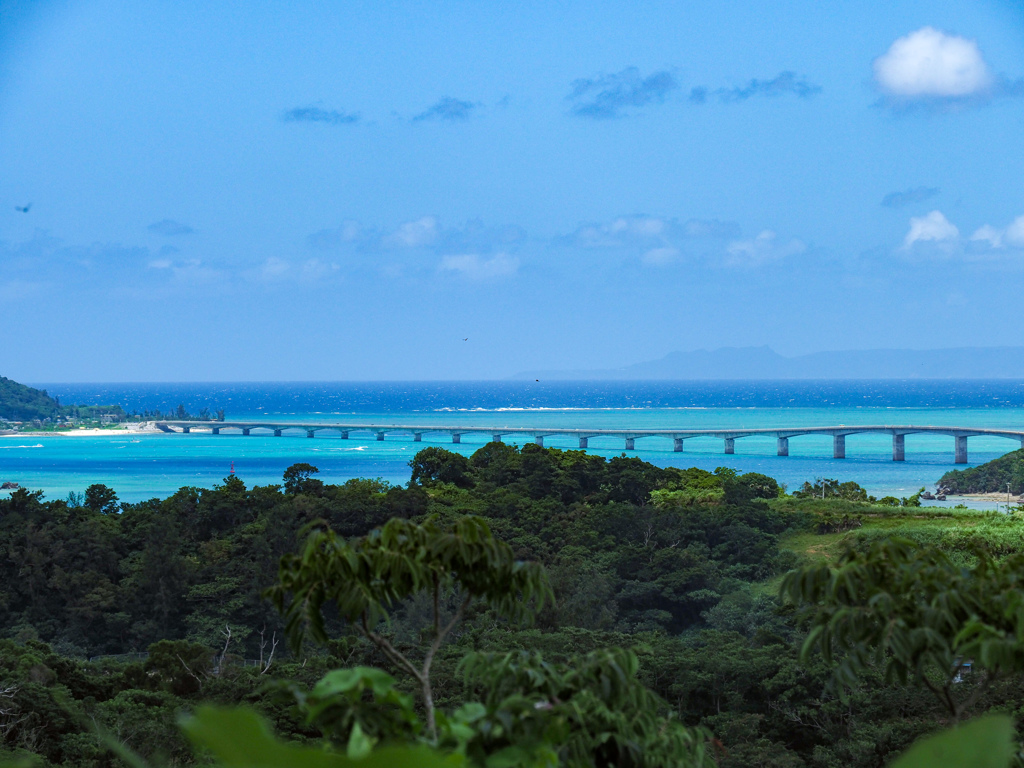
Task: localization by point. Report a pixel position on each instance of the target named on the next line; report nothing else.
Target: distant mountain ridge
(766, 363)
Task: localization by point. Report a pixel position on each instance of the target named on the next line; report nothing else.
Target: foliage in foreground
(592, 711)
(675, 567)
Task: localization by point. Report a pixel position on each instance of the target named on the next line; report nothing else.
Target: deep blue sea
(154, 465)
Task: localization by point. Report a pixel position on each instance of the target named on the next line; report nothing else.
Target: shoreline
(139, 428)
(997, 496)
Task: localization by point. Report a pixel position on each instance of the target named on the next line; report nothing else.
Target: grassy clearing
(956, 531)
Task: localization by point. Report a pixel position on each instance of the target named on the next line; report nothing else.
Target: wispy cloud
(764, 248)
(937, 70)
(170, 228)
(475, 267)
(656, 241)
(333, 238)
(657, 257)
(320, 115)
(782, 84)
(413, 234)
(711, 228)
(609, 96)
(449, 109)
(278, 270)
(427, 233)
(909, 197)
(649, 233)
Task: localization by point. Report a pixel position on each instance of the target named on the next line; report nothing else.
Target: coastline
(995, 496)
(135, 428)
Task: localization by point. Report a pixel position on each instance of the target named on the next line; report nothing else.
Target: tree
(914, 612)
(298, 478)
(826, 488)
(100, 498)
(591, 711)
(436, 465)
(367, 578)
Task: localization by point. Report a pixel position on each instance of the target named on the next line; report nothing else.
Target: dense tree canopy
(662, 579)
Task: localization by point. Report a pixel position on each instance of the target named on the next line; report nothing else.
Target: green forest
(34, 409)
(991, 477)
(20, 402)
(521, 606)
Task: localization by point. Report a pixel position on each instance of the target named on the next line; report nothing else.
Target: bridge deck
(782, 434)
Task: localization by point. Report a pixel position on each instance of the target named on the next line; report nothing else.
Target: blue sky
(253, 191)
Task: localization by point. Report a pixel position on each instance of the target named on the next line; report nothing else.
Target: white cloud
(471, 266)
(929, 63)
(989, 234)
(764, 247)
(621, 231)
(638, 225)
(1015, 232)
(1013, 235)
(933, 227)
(413, 234)
(160, 264)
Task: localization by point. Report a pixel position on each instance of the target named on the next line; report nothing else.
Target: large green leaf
(983, 743)
(239, 738)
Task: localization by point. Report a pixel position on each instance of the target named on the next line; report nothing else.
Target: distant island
(766, 363)
(25, 408)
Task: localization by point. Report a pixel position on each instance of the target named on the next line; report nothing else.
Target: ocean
(154, 465)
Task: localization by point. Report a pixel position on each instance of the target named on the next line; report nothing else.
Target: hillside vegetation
(664, 601)
(990, 477)
(22, 403)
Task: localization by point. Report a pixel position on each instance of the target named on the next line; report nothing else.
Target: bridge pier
(730, 445)
(186, 430)
(344, 435)
(899, 447)
(677, 444)
(245, 431)
(783, 447)
(583, 443)
(380, 436)
(417, 437)
(839, 446)
(456, 437)
(310, 433)
(629, 444)
(496, 438)
(215, 431)
(539, 440)
(961, 449)
(277, 433)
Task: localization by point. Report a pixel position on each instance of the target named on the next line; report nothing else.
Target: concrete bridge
(629, 436)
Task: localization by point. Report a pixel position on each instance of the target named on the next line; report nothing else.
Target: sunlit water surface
(155, 465)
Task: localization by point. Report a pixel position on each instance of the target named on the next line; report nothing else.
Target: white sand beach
(119, 430)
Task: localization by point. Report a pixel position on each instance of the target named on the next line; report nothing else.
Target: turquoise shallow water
(144, 466)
